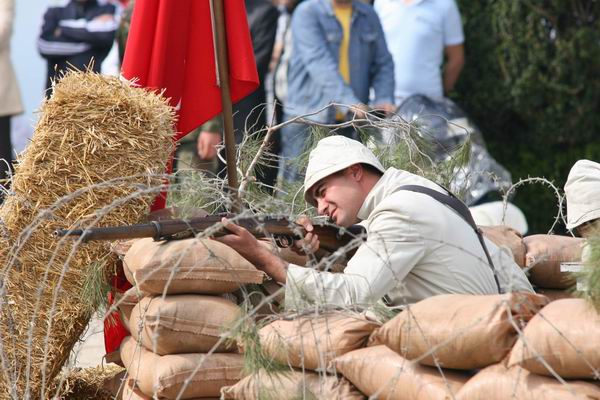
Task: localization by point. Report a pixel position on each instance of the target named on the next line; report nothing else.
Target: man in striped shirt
(76, 34)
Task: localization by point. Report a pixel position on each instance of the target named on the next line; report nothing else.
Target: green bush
(531, 84)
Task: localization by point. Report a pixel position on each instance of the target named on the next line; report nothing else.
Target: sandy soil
(90, 350)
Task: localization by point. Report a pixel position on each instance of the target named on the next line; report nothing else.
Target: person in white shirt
(419, 33)
(416, 247)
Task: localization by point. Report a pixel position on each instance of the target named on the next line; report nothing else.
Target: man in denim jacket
(335, 59)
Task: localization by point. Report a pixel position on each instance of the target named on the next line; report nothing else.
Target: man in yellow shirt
(343, 12)
(339, 55)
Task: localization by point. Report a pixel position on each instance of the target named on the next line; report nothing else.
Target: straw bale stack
(99, 142)
(98, 383)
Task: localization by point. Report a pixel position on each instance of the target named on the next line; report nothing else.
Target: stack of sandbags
(459, 331)
(556, 294)
(497, 382)
(541, 255)
(381, 373)
(413, 355)
(97, 158)
(303, 345)
(187, 266)
(507, 238)
(555, 357)
(563, 339)
(126, 302)
(179, 345)
(544, 255)
(291, 385)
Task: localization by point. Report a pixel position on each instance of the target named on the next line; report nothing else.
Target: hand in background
(385, 108)
(360, 110)
(206, 144)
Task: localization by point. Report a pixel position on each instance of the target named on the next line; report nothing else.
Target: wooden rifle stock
(331, 237)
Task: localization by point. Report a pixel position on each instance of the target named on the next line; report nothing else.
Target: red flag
(170, 46)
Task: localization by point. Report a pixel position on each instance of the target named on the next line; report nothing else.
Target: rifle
(331, 237)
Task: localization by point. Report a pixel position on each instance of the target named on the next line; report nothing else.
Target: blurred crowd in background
(369, 55)
(309, 53)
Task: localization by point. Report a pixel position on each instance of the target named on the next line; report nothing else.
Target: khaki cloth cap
(332, 154)
(583, 193)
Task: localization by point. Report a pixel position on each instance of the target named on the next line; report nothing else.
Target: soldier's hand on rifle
(247, 245)
(207, 142)
(310, 244)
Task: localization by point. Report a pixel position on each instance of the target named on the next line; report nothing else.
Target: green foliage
(415, 154)
(411, 152)
(531, 84)
(96, 287)
(245, 334)
(591, 272)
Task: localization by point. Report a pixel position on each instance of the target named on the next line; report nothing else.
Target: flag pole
(220, 38)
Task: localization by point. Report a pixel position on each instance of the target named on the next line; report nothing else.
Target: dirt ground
(89, 351)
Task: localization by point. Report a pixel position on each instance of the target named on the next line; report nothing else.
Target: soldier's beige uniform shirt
(416, 247)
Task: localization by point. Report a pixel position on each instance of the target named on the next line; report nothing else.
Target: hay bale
(98, 146)
(98, 383)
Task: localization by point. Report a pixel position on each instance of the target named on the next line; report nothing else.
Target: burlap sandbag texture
(99, 149)
(508, 238)
(312, 342)
(132, 392)
(497, 382)
(165, 376)
(126, 301)
(544, 255)
(459, 331)
(201, 266)
(566, 334)
(556, 294)
(379, 371)
(185, 323)
(291, 385)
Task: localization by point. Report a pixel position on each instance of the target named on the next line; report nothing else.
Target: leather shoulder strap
(463, 211)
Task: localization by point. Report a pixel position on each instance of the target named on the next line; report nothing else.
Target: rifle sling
(463, 211)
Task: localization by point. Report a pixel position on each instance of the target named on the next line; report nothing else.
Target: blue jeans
(293, 143)
(294, 139)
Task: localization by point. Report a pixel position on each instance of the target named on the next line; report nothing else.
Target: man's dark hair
(371, 169)
(366, 167)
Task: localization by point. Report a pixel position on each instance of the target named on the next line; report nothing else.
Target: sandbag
(544, 255)
(126, 301)
(132, 392)
(165, 376)
(555, 294)
(312, 342)
(184, 323)
(496, 382)
(187, 266)
(288, 255)
(267, 300)
(506, 237)
(291, 385)
(460, 331)
(121, 247)
(565, 334)
(379, 371)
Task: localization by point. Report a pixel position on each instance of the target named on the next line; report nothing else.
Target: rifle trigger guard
(283, 241)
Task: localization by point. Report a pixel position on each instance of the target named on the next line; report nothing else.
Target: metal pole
(223, 81)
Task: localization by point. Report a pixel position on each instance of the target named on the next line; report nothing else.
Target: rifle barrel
(110, 233)
(331, 237)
